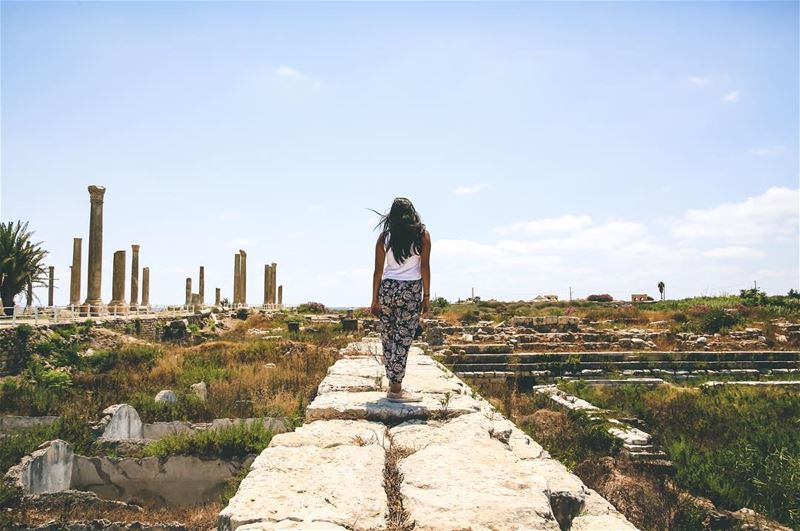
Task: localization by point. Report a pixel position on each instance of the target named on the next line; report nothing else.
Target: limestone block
(200, 390)
(375, 406)
(159, 430)
(599, 515)
(307, 486)
(166, 395)
(476, 486)
(124, 424)
(364, 367)
(330, 433)
(48, 469)
(349, 382)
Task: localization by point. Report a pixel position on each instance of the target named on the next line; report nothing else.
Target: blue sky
(603, 146)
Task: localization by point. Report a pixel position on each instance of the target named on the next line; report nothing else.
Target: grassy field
(697, 314)
(738, 446)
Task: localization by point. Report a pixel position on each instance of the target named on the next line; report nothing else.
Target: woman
(401, 288)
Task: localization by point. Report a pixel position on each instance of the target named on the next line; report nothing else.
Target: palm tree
(661, 289)
(21, 262)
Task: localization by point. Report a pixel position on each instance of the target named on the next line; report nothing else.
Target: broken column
(95, 269)
(134, 276)
(243, 277)
(237, 270)
(145, 287)
(188, 300)
(50, 281)
(280, 295)
(201, 286)
(75, 274)
(118, 283)
(216, 297)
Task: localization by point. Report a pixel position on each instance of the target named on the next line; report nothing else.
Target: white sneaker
(403, 396)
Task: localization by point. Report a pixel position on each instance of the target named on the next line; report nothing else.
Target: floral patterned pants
(401, 303)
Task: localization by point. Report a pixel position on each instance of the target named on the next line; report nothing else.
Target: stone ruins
(463, 465)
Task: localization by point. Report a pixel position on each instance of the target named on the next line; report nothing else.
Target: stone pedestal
(201, 286)
(243, 277)
(134, 276)
(146, 287)
(95, 268)
(75, 274)
(280, 295)
(217, 299)
(188, 298)
(118, 303)
(50, 285)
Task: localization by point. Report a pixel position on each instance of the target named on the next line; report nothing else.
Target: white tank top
(410, 269)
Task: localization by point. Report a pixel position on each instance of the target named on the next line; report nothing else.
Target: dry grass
(202, 517)
(397, 517)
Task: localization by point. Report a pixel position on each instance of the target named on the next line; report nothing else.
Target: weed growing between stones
(397, 517)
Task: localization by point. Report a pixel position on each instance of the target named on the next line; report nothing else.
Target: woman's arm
(380, 257)
(426, 273)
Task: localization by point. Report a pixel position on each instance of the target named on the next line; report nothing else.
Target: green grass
(238, 440)
(738, 446)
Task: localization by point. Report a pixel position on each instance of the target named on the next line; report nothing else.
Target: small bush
(238, 440)
(718, 319)
(605, 297)
(312, 307)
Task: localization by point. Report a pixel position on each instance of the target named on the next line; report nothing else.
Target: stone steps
(329, 473)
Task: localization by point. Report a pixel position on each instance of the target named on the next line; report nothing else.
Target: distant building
(546, 298)
(641, 297)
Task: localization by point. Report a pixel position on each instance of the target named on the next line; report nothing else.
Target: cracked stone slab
(330, 433)
(365, 367)
(310, 486)
(473, 484)
(349, 382)
(375, 406)
(599, 515)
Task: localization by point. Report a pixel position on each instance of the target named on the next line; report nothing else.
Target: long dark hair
(404, 229)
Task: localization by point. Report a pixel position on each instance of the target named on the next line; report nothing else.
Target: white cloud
(289, 73)
(767, 151)
(731, 97)
(568, 223)
(468, 190)
(699, 81)
(733, 251)
(773, 213)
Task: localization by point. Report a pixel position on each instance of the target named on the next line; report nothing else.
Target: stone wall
(10, 424)
(175, 480)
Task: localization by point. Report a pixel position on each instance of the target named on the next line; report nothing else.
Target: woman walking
(400, 288)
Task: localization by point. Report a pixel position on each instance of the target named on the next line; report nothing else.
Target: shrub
(718, 319)
(440, 302)
(312, 307)
(239, 440)
(605, 297)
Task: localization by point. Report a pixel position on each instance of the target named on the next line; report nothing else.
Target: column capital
(96, 193)
(135, 246)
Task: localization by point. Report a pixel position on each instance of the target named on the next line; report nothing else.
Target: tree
(661, 289)
(21, 262)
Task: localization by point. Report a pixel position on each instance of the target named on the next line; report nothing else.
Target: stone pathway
(462, 465)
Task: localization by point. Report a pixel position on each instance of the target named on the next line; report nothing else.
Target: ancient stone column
(50, 285)
(273, 283)
(95, 269)
(188, 300)
(243, 276)
(280, 295)
(118, 283)
(201, 286)
(195, 300)
(216, 297)
(145, 287)
(237, 271)
(75, 274)
(134, 276)
(266, 284)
